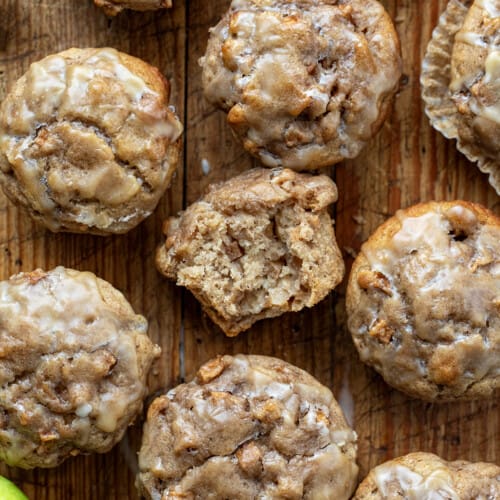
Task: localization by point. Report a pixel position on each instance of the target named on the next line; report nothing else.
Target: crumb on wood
(351, 252)
(359, 219)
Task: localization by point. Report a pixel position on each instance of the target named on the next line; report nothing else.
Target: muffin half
(256, 246)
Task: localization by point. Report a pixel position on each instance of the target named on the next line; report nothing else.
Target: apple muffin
(305, 83)
(423, 301)
(247, 427)
(255, 246)
(425, 475)
(87, 141)
(461, 81)
(73, 367)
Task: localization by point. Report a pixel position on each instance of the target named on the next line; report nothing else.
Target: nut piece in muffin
(113, 7)
(423, 301)
(461, 81)
(87, 141)
(73, 367)
(305, 83)
(425, 475)
(247, 427)
(256, 246)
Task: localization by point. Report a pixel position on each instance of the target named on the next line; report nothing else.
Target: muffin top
(424, 475)
(423, 301)
(255, 246)
(306, 83)
(87, 141)
(247, 427)
(113, 7)
(73, 369)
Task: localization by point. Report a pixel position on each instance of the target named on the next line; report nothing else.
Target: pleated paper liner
(435, 80)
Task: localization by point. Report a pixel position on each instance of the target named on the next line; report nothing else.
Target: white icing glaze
(463, 214)
(83, 410)
(492, 7)
(430, 231)
(492, 66)
(437, 485)
(109, 410)
(491, 77)
(73, 297)
(278, 390)
(47, 82)
(475, 39)
(345, 399)
(429, 235)
(108, 60)
(305, 156)
(53, 83)
(205, 166)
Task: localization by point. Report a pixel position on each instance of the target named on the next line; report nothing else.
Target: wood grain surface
(406, 163)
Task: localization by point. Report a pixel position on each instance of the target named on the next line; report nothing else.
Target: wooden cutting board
(406, 163)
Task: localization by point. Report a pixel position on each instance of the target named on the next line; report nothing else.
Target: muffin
(113, 7)
(424, 475)
(87, 141)
(305, 83)
(73, 368)
(256, 246)
(423, 301)
(461, 81)
(247, 427)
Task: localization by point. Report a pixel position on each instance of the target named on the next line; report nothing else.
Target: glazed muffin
(247, 427)
(73, 369)
(423, 301)
(305, 83)
(113, 7)
(87, 141)
(256, 246)
(424, 475)
(461, 81)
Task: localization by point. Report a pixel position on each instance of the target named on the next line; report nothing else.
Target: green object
(9, 491)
